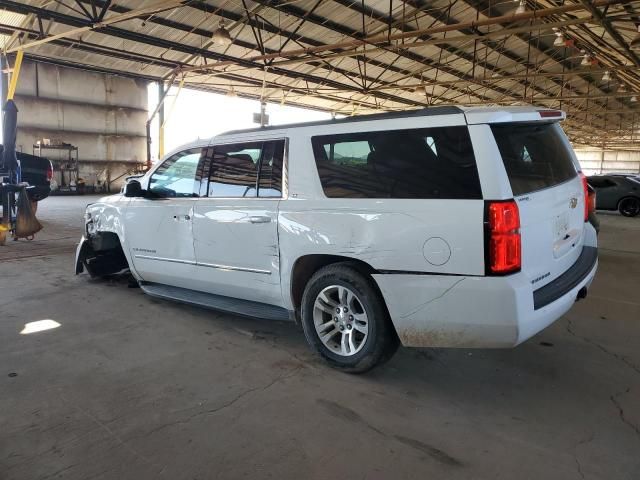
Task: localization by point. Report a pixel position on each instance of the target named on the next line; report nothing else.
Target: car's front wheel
(629, 207)
(345, 320)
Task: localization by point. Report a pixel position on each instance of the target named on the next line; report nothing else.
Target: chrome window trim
(200, 264)
(232, 268)
(164, 259)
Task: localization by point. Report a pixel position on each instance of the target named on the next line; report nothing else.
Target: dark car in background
(36, 171)
(617, 192)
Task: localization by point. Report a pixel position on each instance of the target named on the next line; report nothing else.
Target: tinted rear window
(417, 163)
(535, 156)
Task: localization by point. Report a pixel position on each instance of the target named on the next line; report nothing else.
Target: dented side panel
(424, 236)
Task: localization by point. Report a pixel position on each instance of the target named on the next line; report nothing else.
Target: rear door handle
(260, 219)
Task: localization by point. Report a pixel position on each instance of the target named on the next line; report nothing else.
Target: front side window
(247, 170)
(416, 163)
(270, 184)
(177, 176)
(234, 170)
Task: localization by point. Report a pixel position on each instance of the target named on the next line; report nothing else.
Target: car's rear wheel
(629, 207)
(345, 320)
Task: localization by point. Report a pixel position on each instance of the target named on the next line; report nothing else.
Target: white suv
(444, 227)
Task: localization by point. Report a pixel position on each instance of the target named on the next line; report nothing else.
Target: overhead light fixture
(586, 59)
(561, 40)
(635, 43)
(607, 76)
(633, 99)
(522, 7)
(622, 88)
(221, 36)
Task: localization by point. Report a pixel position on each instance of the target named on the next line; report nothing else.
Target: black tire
(629, 207)
(381, 341)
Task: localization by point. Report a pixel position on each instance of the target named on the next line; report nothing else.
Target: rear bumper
(38, 192)
(479, 312)
(568, 280)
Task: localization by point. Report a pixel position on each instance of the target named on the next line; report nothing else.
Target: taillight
(49, 172)
(503, 241)
(592, 200)
(585, 192)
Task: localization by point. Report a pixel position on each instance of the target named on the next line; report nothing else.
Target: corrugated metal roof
(496, 60)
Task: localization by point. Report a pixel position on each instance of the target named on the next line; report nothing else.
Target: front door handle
(260, 219)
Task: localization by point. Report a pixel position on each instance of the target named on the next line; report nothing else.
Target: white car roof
(473, 115)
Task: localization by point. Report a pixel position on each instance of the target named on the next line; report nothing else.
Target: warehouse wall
(594, 161)
(104, 116)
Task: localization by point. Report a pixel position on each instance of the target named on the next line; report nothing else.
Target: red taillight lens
(592, 200)
(504, 243)
(585, 192)
(49, 172)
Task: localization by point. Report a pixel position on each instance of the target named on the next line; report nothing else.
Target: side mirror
(133, 188)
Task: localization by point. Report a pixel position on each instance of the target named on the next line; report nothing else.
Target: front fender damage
(100, 255)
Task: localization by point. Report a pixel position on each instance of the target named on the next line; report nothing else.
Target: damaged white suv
(445, 227)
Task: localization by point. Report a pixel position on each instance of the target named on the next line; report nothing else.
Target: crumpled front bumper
(83, 250)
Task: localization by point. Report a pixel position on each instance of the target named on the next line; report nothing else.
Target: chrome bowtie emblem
(573, 203)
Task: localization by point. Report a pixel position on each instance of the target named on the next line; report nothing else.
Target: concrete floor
(129, 387)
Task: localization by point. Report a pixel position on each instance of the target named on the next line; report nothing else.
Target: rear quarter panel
(387, 234)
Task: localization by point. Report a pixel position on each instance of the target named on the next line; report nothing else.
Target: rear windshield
(536, 156)
(416, 163)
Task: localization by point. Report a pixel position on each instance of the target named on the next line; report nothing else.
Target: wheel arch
(305, 266)
(627, 197)
(102, 253)
(108, 217)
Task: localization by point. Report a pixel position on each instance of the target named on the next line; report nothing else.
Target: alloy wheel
(630, 207)
(340, 320)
